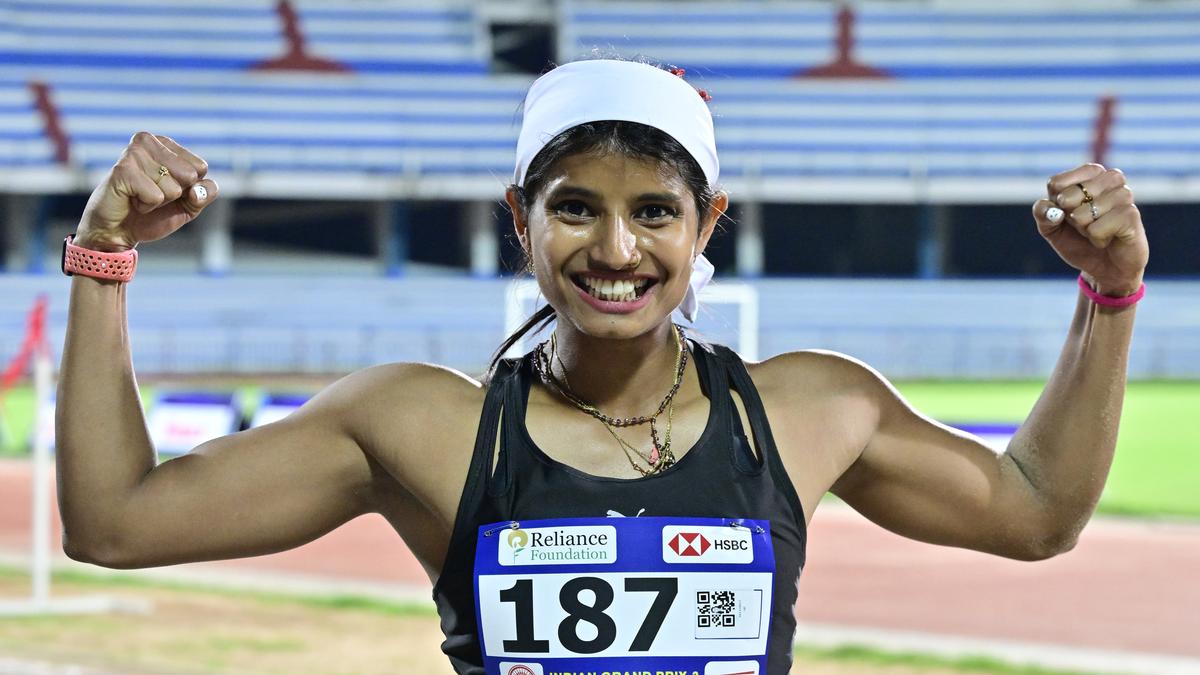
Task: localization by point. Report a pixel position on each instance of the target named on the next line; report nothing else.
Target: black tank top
(527, 484)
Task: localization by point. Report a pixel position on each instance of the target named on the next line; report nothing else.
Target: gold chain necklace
(661, 456)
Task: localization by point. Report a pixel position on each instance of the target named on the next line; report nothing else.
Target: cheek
(552, 246)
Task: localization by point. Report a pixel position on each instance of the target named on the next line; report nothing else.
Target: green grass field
(1157, 466)
(1155, 473)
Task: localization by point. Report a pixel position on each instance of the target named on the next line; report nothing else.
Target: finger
(1090, 212)
(182, 171)
(176, 214)
(129, 180)
(152, 167)
(1119, 223)
(188, 156)
(1073, 196)
(202, 194)
(1049, 218)
(1066, 179)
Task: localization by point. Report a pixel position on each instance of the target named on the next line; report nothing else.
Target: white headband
(606, 89)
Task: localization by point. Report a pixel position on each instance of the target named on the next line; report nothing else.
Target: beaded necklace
(661, 456)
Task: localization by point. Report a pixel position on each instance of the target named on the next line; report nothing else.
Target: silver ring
(1095, 211)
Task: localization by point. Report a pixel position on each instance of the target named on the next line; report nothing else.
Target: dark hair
(629, 139)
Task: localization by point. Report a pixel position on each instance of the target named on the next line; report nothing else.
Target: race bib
(624, 596)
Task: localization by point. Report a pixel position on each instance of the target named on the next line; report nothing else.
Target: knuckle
(187, 174)
(1115, 173)
(138, 153)
(171, 192)
(140, 137)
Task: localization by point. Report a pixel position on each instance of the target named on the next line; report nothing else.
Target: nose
(614, 245)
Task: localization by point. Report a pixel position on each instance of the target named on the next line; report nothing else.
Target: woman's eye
(659, 212)
(573, 208)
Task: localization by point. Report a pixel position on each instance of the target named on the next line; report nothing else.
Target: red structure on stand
(844, 65)
(297, 56)
(51, 121)
(1101, 136)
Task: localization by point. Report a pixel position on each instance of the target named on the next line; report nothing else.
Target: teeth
(619, 290)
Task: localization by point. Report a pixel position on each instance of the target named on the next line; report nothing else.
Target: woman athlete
(616, 500)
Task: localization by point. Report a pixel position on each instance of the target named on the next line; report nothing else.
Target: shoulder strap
(485, 438)
(740, 379)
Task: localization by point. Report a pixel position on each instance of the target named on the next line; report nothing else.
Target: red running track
(1127, 585)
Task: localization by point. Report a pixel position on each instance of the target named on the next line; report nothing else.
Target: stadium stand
(960, 96)
(218, 78)
(926, 101)
(933, 104)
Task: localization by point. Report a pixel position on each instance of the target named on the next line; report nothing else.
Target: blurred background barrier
(905, 328)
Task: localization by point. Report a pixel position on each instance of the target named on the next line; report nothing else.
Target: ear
(520, 226)
(719, 204)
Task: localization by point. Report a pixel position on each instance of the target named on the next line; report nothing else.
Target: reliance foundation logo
(567, 545)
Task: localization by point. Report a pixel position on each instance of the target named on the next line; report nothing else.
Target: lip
(615, 276)
(615, 306)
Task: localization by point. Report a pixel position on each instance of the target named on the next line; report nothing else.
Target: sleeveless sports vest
(719, 477)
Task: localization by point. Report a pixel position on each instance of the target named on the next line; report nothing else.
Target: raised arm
(249, 493)
(924, 480)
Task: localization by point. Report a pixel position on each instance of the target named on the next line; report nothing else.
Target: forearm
(103, 448)
(1066, 445)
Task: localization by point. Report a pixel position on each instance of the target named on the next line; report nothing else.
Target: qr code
(715, 609)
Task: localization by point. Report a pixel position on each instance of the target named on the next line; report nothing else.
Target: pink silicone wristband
(1108, 300)
(97, 264)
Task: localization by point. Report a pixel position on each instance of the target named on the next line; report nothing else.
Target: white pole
(43, 425)
(42, 384)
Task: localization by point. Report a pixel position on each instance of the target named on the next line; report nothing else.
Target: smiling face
(612, 239)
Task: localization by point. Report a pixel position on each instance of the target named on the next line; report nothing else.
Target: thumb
(202, 194)
(1049, 218)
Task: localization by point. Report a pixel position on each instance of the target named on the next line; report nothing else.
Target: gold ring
(162, 171)
(1087, 197)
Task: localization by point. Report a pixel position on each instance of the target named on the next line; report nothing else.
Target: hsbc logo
(689, 543)
(707, 544)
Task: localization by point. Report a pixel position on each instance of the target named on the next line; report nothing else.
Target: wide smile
(615, 296)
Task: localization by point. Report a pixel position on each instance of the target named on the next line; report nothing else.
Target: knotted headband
(606, 89)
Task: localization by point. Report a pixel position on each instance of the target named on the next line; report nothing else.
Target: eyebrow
(575, 190)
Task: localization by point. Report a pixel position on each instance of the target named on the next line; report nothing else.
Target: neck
(623, 378)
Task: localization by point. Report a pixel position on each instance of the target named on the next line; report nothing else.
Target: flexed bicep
(925, 480)
(250, 493)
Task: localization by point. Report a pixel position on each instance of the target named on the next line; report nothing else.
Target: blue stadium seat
(973, 97)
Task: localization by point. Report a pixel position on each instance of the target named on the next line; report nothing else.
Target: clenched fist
(1091, 221)
(140, 201)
